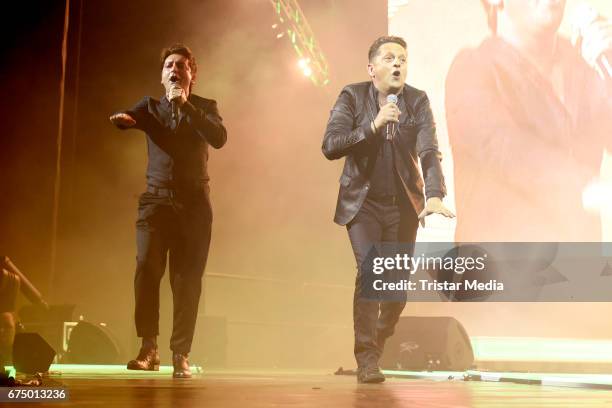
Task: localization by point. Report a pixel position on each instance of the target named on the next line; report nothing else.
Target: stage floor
(308, 389)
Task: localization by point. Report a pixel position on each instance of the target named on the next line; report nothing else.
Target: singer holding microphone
(174, 213)
(384, 129)
(529, 115)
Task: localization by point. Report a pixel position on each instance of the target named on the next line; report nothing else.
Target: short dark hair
(383, 40)
(181, 49)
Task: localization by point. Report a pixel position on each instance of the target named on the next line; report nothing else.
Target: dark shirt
(383, 179)
(178, 154)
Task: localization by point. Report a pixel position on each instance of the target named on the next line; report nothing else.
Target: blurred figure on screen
(529, 115)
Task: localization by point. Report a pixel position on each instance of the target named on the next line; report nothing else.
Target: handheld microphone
(175, 107)
(174, 111)
(585, 15)
(391, 98)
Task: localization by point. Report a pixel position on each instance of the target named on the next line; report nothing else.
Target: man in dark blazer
(174, 214)
(381, 188)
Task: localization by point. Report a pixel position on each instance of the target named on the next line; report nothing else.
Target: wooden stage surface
(307, 389)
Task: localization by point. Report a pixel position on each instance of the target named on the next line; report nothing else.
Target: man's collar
(164, 100)
(374, 92)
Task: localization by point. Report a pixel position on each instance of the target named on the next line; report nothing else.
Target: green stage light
(94, 370)
(541, 349)
(303, 40)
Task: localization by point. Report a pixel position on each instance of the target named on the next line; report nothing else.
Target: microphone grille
(392, 98)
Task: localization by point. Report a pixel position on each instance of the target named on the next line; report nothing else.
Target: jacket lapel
(371, 102)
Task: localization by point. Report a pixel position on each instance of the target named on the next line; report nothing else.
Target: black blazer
(349, 134)
(178, 158)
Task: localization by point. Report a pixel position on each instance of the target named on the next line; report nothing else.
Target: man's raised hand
(122, 120)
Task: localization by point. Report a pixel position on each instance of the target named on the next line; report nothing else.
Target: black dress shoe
(369, 375)
(147, 360)
(181, 366)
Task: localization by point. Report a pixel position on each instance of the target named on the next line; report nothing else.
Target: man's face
(176, 70)
(389, 68)
(535, 15)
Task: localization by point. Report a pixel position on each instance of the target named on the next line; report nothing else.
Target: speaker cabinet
(31, 353)
(92, 344)
(428, 344)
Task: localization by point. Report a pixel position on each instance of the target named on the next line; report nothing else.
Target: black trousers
(374, 321)
(179, 227)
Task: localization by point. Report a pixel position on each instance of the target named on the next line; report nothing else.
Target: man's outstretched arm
(132, 118)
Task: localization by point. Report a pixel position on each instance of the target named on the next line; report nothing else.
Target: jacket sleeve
(207, 123)
(140, 113)
(427, 149)
(342, 136)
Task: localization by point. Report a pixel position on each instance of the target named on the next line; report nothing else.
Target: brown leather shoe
(147, 360)
(181, 366)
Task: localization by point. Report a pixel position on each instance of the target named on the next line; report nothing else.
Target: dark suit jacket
(349, 135)
(177, 158)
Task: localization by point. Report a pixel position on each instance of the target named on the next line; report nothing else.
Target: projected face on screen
(530, 15)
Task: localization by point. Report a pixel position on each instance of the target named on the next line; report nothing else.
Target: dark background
(280, 272)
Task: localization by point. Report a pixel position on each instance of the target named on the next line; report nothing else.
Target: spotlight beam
(303, 40)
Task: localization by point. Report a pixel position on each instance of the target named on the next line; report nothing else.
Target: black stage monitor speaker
(428, 343)
(31, 353)
(92, 344)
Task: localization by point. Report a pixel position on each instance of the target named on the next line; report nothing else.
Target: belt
(160, 191)
(384, 199)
